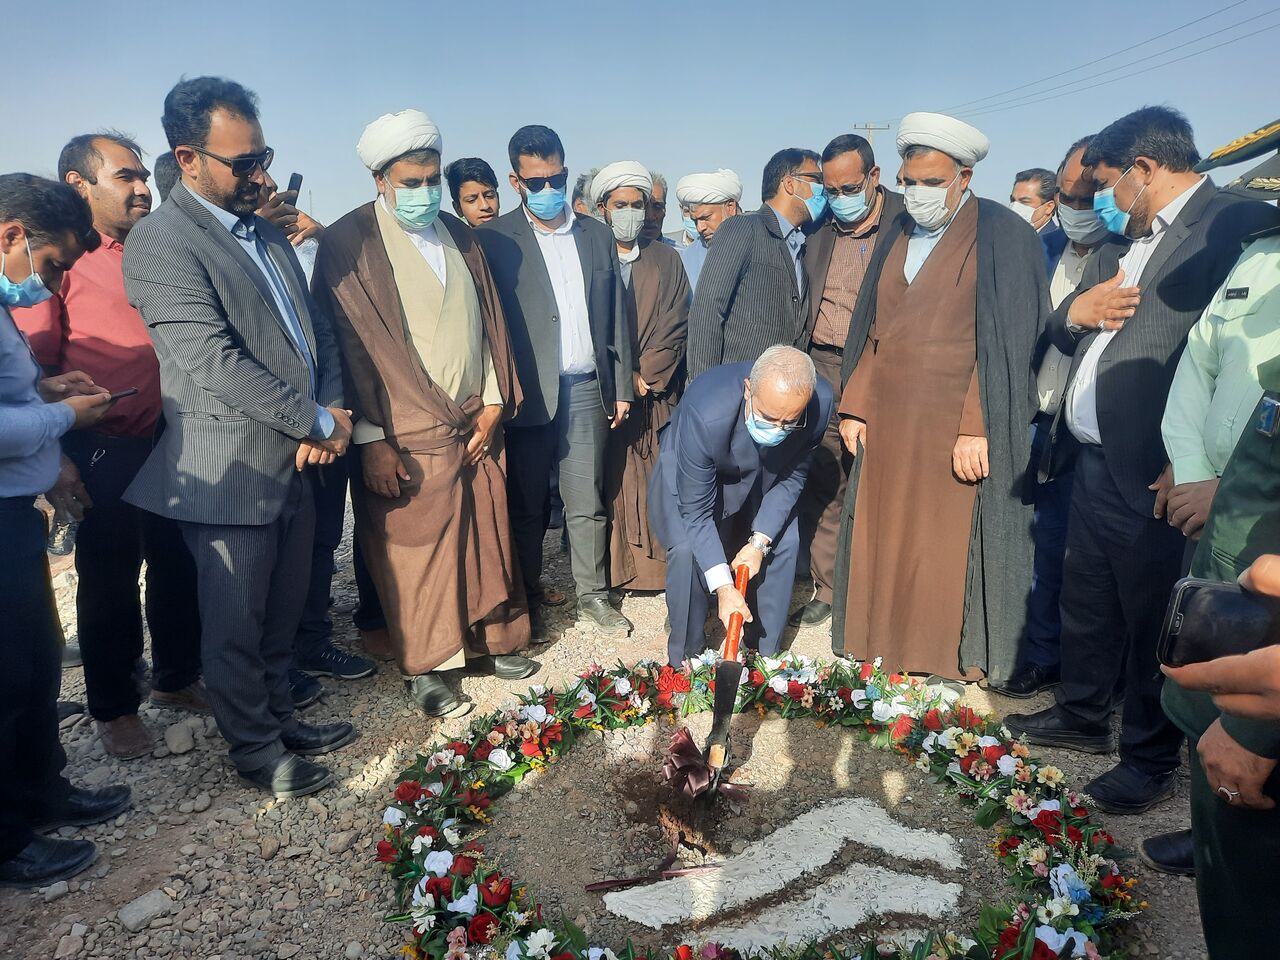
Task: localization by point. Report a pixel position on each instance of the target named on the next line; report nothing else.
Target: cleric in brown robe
(430, 378)
(658, 308)
(935, 558)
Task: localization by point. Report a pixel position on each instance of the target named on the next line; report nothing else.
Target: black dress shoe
(68, 709)
(811, 614)
(508, 666)
(313, 739)
(290, 776)
(82, 807)
(47, 860)
(1026, 683)
(596, 610)
(1124, 789)
(304, 689)
(538, 633)
(1169, 853)
(1050, 728)
(434, 698)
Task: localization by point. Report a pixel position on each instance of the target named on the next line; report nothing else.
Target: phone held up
(295, 185)
(1208, 619)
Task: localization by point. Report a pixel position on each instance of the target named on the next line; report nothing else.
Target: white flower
(882, 711)
(513, 950)
(595, 953)
(540, 944)
(586, 697)
(537, 690)
(770, 664)
(947, 738)
(988, 741)
(877, 662)
(953, 769)
(859, 700)
(1042, 806)
(423, 919)
(779, 686)
(500, 759)
(535, 712)
(420, 842)
(435, 789)
(420, 896)
(923, 763)
(622, 686)
(930, 742)
(394, 817)
(468, 903)
(1007, 764)
(517, 917)
(438, 862)
(640, 704)
(451, 836)
(1056, 941)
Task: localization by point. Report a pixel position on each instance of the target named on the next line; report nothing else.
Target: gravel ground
(203, 867)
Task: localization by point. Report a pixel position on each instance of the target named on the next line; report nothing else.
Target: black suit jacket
(533, 320)
(747, 299)
(1187, 267)
(817, 251)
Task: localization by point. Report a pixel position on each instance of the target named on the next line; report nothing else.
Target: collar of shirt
(784, 225)
(630, 256)
(919, 231)
(570, 218)
(224, 217)
(1169, 212)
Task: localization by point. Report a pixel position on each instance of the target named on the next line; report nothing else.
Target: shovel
(728, 678)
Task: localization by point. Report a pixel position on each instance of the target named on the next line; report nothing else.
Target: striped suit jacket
(747, 299)
(236, 390)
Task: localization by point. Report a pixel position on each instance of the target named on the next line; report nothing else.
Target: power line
(1084, 82)
(871, 129)
(1054, 76)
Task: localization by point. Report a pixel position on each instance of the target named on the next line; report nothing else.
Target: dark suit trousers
(769, 594)
(329, 491)
(111, 544)
(823, 499)
(576, 441)
(1117, 575)
(31, 758)
(253, 585)
(1049, 534)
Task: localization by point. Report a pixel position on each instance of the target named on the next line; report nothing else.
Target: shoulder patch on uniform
(1236, 293)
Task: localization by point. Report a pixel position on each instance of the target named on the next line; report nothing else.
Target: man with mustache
(89, 325)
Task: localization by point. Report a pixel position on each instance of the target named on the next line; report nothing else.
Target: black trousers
(1119, 569)
(31, 757)
(329, 490)
(113, 541)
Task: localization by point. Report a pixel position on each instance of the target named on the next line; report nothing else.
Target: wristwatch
(761, 543)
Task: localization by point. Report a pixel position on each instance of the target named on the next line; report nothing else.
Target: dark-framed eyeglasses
(241, 166)
(813, 176)
(786, 426)
(845, 190)
(557, 181)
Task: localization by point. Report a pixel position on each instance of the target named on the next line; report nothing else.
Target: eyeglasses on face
(538, 184)
(847, 190)
(241, 166)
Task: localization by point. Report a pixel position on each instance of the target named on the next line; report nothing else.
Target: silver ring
(485, 448)
(1229, 793)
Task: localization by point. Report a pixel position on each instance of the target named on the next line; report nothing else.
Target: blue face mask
(546, 204)
(762, 432)
(27, 293)
(849, 209)
(690, 228)
(1104, 204)
(816, 203)
(417, 207)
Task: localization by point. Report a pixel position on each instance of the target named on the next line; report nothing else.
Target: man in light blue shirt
(706, 200)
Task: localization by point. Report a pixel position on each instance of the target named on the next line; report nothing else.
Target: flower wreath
(461, 906)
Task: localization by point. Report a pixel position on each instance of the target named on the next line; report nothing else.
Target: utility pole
(871, 129)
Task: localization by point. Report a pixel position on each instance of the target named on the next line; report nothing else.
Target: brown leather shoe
(377, 644)
(125, 737)
(193, 698)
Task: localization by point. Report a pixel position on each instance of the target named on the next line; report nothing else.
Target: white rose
(394, 817)
(535, 712)
(500, 759)
(779, 686)
(882, 711)
(467, 903)
(438, 862)
(622, 686)
(1007, 764)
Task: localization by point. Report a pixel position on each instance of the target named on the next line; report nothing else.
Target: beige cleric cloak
(658, 305)
(441, 553)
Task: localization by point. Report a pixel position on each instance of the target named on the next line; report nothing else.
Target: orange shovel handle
(740, 578)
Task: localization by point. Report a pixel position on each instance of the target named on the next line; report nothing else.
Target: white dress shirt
(1082, 399)
(559, 249)
(921, 243)
(427, 243)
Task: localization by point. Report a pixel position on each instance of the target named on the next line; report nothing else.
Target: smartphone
(295, 184)
(120, 395)
(1208, 619)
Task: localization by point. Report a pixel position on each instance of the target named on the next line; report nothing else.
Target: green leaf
(989, 814)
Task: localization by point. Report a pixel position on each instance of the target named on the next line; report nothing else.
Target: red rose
(584, 711)
(428, 831)
(440, 887)
(967, 718)
(496, 890)
(867, 670)
(530, 748)
(663, 700)
(1042, 951)
(684, 952)
(770, 696)
(902, 727)
(757, 678)
(795, 689)
(845, 694)
(1079, 811)
(1009, 939)
(641, 688)
(463, 866)
(386, 852)
(482, 928)
(1074, 835)
(554, 733)
(993, 754)
(933, 720)
(408, 791)
(606, 685)
(457, 747)
(967, 762)
(1111, 880)
(481, 750)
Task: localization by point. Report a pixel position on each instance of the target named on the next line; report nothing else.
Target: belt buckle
(1268, 422)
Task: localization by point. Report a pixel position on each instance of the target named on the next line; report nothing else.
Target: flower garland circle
(1071, 897)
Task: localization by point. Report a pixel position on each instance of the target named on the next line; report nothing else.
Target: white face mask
(1021, 209)
(927, 206)
(1081, 226)
(626, 223)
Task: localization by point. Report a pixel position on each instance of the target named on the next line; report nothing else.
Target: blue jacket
(1054, 241)
(709, 467)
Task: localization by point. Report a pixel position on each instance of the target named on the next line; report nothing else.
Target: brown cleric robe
(916, 387)
(440, 554)
(658, 305)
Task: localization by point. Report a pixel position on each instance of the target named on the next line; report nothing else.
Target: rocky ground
(203, 867)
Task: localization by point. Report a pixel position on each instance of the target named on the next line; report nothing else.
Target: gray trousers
(576, 440)
(252, 583)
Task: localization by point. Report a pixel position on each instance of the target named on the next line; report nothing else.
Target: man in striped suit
(252, 396)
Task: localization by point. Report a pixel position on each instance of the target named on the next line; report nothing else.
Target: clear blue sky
(680, 86)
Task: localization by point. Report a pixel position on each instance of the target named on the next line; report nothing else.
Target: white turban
(718, 187)
(963, 143)
(395, 134)
(623, 173)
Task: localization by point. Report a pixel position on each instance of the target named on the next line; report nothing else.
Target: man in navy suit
(733, 461)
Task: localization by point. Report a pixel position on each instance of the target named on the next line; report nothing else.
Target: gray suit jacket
(747, 298)
(529, 302)
(236, 390)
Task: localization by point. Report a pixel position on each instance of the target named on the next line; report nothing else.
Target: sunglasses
(538, 184)
(241, 166)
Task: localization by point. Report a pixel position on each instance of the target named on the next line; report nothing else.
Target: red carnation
(386, 851)
(867, 670)
(428, 831)
(795, 689)
(457, 747)
(481, 750)
(933, 720)
(408, 791)
(1009, 939)
(1042, 951)
(902, 727)
(463, 866)
(757, 678)
(482, 928)
(1074, 835)
(1079, 811)
(770, 696)
(473, 847)
(496, 890)
(553, 733)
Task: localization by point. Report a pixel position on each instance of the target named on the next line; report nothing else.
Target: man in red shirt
(89, 325)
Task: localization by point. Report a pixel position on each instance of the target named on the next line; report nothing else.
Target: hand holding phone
(1208, 619)
(121, 394)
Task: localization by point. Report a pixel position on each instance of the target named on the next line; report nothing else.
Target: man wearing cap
(937, 404)
(657, 301)
(706, 200)
(431, 379)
